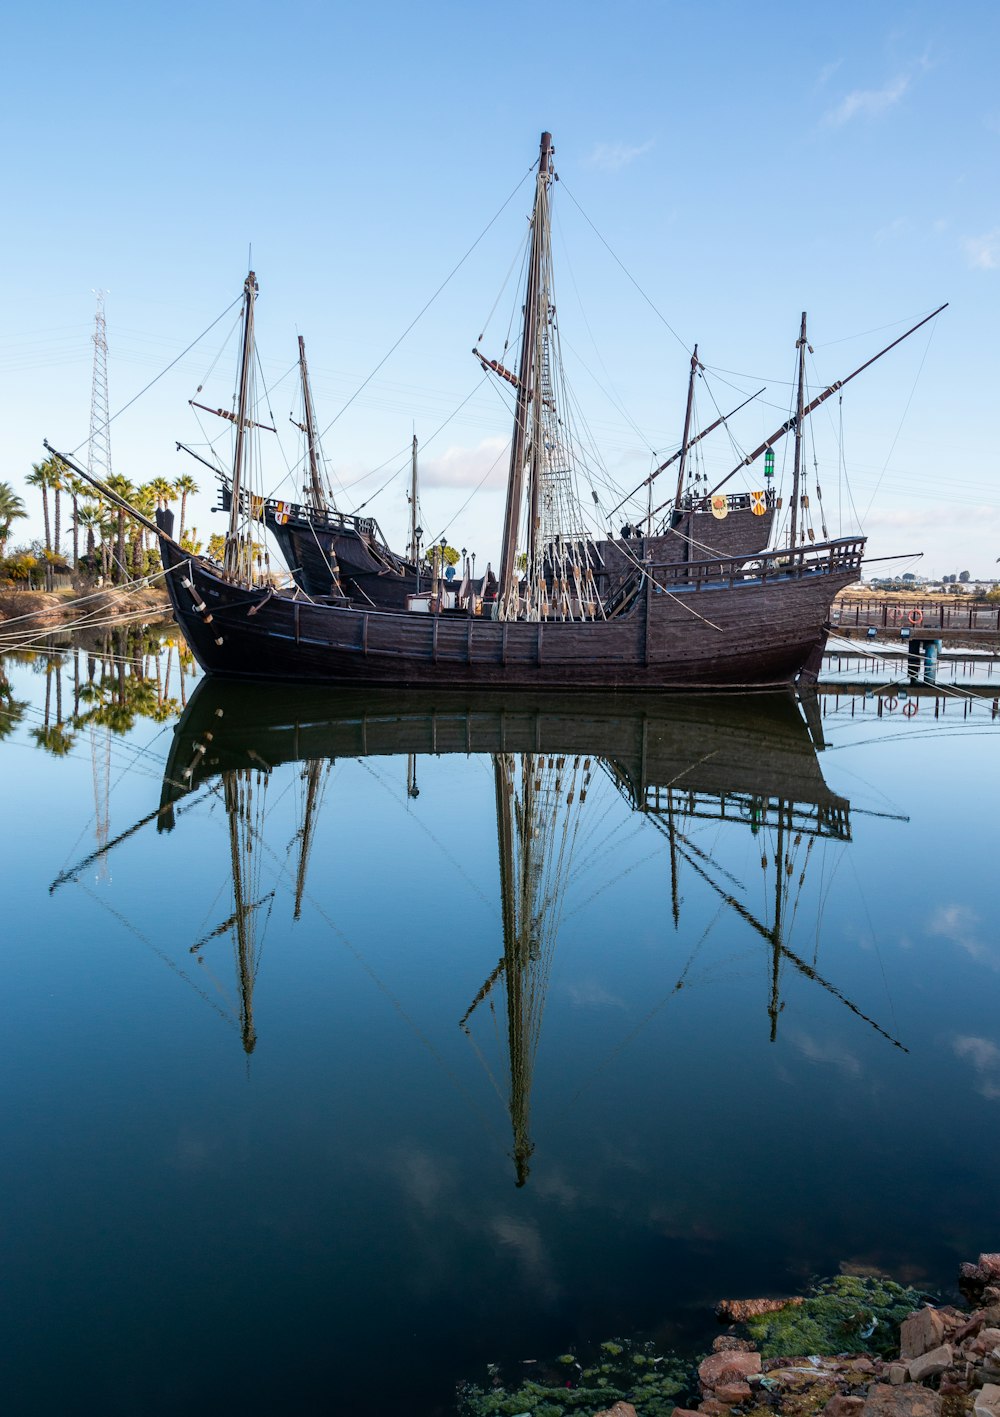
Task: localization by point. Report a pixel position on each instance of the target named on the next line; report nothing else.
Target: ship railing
(735, 501)
(823, 819)
(782, 564)
(324, 520)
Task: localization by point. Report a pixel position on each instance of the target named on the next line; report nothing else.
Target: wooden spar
(411, 550)
(515, 478)
(821, 398)
(212, 467)
(799, 418)
(723, 418)
(105, 491)
(315, 486)
(229, 415)
(231, 556)
(687, 430)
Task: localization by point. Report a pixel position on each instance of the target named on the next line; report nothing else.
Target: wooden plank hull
(756, 746)
(717, 629)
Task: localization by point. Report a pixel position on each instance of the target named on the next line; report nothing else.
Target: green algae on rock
(848, 1314)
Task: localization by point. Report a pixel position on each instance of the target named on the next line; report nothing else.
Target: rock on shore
(948, 1366)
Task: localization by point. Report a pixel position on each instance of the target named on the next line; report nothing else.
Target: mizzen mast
(413, 547)
(685, 443)
(315, 488)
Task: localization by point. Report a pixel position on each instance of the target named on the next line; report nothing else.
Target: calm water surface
(353, 1042)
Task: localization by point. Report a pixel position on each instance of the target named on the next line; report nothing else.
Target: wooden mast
(526, 376)
(516, 909)
(695, 366)
(231, 557)
(312, 775)
(411, 550)
(245, 962)
(799, 420)
(790, 423)
(317, 498)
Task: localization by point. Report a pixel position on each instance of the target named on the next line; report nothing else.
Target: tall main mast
(527, 377)
(799, 420)
(231, 557)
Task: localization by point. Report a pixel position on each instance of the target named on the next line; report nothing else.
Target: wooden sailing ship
(330, 552)
(562, 618)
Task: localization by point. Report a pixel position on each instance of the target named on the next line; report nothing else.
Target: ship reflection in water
(746, 766)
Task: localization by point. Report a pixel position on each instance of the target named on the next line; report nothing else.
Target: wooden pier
(961, 622)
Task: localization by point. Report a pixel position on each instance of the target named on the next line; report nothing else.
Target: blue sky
(743, 164)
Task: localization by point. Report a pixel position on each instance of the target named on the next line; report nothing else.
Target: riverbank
(857, 1346)
(27, 611)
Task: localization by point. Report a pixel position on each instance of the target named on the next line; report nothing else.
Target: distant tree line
(105, 545)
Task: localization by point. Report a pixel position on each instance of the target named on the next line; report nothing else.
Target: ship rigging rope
(658, 313)
(892, 449)
(423, 310)
(145, 389)
(439, 429)
(83, 622)
(284, 871)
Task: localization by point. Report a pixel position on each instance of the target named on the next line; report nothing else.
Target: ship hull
(714, 625)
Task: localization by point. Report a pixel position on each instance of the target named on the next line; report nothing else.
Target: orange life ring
(891, 703)
(910, 708)
(916, 617)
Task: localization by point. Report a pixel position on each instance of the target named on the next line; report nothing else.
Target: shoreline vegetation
(859, 1345)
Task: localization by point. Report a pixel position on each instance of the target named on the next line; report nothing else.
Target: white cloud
(901, 226)
(960, 925)
(612, 157)
(467, 467)
(985, 1059)
(983, 252)
(827, 72)
(825, 1052)
(587, 993)
(869, 103)
(981, 1051)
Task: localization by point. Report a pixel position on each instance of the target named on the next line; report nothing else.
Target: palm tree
(11, 510)
(144, 501)
(185, 486)
(41, 476)
(77, 488)
(163, 490)
(89, 517)
(57, 483)
(125, 490)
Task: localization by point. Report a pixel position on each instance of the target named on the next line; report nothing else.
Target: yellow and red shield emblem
(757, 504)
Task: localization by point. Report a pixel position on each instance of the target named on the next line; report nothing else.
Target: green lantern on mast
(769, 463)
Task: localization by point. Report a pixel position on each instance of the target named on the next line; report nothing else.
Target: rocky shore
(857, 1346)
(948, 1364)
(33, 610)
